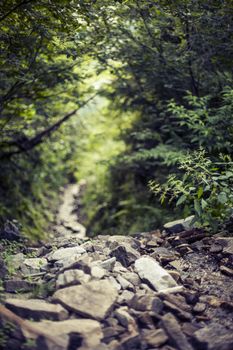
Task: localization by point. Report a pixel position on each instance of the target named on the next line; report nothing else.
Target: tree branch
(24, 144)
(25, 2)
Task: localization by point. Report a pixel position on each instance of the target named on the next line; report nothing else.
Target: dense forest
(133, 96)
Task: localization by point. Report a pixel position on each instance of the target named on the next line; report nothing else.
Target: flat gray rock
(124, 318)
(124, 283)
(214, 337)
(155, 337)
(125, 297)
(21, 286)
(125, 254)
(116, 240)
(226, 243)
(179, 225)
(174, 332)
(33, 265)
(64, 253)
(37, 309)
(97, 272)
(94, 299)
(72, 277)
(132, 277)
(58, 335)
(108, 264)
(152, 273)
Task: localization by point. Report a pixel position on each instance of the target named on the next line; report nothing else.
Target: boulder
(132, 277)
(17, 285)
(226, 243)
(213, 337)
(72, 277)
(179, 225)
(94, 299)
(112, 332)
(36, 309)
(97, 272)
(124, 318)
(199, 308)
(33, 265)
(181, 314)
(108, 264)
(130, 341)
(152, 273)
(163, 255)
(124, 283)
(78, 333)
(155, 337)
(125, 254)
(174, 332)
(83, 262)
(65, 253)
(142, 302)
(125, 297)
(114, 241)
(114, 282)
(10, 232)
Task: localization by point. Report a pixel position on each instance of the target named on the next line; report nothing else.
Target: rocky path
(67, 221)
(169, 290)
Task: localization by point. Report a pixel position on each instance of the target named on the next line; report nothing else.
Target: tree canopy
(162, 71)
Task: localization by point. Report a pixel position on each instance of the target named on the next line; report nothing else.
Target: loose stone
(155, 338)
(34, 265)
(124, 318)
(94, 299)
(72, 277)
(82, 333)
(37, 309)
(125, 254)
(64, 253)
(151, 272)
(174, 332)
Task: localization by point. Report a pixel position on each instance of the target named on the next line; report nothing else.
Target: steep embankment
(169, 290)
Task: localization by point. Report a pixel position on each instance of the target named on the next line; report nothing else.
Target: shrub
(206, 188)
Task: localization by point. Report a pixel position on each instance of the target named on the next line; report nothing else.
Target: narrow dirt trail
(67, 221)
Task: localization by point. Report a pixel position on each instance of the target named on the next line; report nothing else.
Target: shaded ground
(108, 293)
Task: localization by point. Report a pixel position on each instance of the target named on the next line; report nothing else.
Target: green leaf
(200, 192)
(203, 204)
(229, 174)
(197, 207)
(181, 200)
(222, 198)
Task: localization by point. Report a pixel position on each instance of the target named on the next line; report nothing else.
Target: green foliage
(203, 182)
(205, 189)
(204, 124)
(40, 84)
(9, 250)
(172, 66)
(163, 70)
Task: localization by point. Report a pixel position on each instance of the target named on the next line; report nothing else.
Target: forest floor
(170, 289)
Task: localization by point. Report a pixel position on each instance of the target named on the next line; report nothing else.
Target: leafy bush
(206, 188)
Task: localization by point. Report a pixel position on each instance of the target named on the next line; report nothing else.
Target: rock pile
(169, 291)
